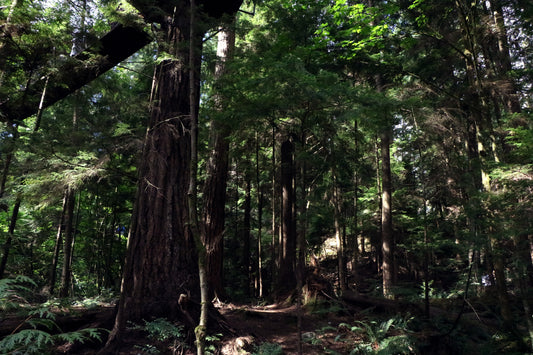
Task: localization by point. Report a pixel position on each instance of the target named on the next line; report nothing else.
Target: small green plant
(164, 331)
(268, 349)
(210, 341)
(387, 337)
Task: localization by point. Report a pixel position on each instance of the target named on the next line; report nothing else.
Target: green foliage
(387, 337)
(44, 332)
(27, 341)
(210, 341)
(12, 291)
(160, 329)
(268, 349)
(163, 332)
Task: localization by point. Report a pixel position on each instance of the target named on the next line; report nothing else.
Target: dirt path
(279, 325)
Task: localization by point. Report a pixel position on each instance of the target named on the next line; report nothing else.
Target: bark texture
(161, 261)
(286, 277)
(214, 192)
(386, 218)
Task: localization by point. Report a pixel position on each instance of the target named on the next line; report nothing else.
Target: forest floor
(331, 327)
(278, 325)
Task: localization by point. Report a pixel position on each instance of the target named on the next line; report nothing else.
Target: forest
(266, 177)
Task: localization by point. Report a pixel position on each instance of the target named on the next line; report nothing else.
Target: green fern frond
(48, 324)
(27, 341)
(11, 290)
(80, 336)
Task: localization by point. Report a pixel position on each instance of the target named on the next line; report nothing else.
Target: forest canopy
(164, 155)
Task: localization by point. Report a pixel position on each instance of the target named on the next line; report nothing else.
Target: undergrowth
(38, 333)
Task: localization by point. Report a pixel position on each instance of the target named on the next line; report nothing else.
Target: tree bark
(70, 199)
(214, 192)
(161, 261)
(246, 235)
(57, 248)
(386, 217)
(336, 202)
(286, 278)
(259, 283)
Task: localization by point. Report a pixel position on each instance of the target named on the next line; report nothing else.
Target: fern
(42, 312)
(79, 336)
(42, 323)
(160, 329)
(379, 341)
(11, 290)
(39, 339)
(27, 341)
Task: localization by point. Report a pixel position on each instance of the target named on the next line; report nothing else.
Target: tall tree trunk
(503, 62)
(66, 273)
(286, 278)
(259, 286)
(246, 235)
(214, 192)
(386, 217)
(341, 267)
(57, 247)
(161, 261)
(274, 249)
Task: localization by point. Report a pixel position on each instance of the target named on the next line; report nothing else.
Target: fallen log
(79, 70)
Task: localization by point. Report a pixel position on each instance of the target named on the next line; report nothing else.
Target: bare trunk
(386, 218)
(246, 236)
(341, 268)
(259, 286)
(273, 250)
(10, 233)
(286, 278)
(217, 174)
(66, 273)
(59, 241)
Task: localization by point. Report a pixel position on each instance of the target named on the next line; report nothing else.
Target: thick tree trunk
(286, 277)
(161, 261)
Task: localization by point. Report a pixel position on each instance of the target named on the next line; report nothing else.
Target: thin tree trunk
(259, 221)
(214, 192)
(503, 63)
(10, 234)
(336, 202)
(70, 197)
(246, 235)
(273, 252)
(386, 218)
(57, 247)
